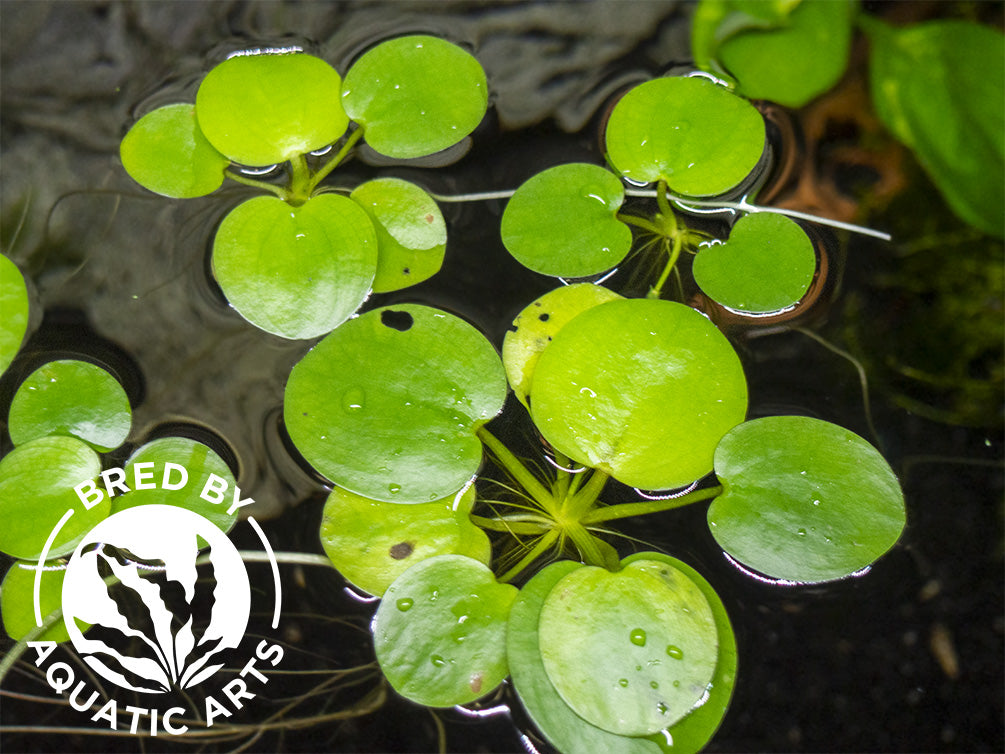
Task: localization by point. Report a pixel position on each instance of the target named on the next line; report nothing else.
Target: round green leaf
(563, 221)
(695, 135)
(643, 389)
(17, 601)
(14, 305)
(766, 266)
(536, 326)
(36, 490)
(199, 463)
(631, 652)
(415, 95)
(372, 543)
(71, 397)
(804, 499)
(566, 730)
(440, 631)
(166, 152)
(296, 272)
(690, 734)
(411, 232)
(387, 405)
(263, 109)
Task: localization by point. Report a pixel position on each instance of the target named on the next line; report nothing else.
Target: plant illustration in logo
(148, 631)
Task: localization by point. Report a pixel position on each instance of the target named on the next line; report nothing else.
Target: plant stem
(300, 181)
(626, 510)
(533, 554)
(519, 472)
(577, 505)
(279, 191)
(641, 222)
(593, 551)
(336, 160)
(514, 524)
(657, 290)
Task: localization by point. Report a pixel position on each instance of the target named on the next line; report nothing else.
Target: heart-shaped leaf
(804, 499)
(166, 152)
(415, 95)
(563, 221)
(411, 232)
(631, 652)
(14, 305)
(537, 325)
(70, 397)
(440, 631)
(643, 389)
(36, 490)
(17, 601)
(766, 266)
(296, 272)
(263, 109)
(387, 406)
(372, 543)
(695, 135)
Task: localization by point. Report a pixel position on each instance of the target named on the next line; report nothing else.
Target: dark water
(120, 275)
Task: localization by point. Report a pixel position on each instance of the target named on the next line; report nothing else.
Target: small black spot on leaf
(544, 317)
(398, 320)
(401, 550)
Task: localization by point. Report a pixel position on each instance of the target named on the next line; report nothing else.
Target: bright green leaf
(563, 221)
(17, 601)
(804, 499)
(199, 462)
(440, 631)
(372, 543)
(166, 152)
(36, 491)
(387, 406)
(70, 397)
(411, 232)
(415, 95)
(939, 87)
(14, 305)
(694, 134)
(263, 109)
(631, 652)
(643, 389)
(766, 265)
(536, 326)
(296, 272)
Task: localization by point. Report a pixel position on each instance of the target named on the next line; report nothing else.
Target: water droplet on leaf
(638, 637)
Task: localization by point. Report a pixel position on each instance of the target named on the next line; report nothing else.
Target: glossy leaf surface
(411, 232)
(694, 134)
(263, 109)
(402, 429)
(631, 652)
(14, 305)
(440, 631)
(537, 325)
(804, 499)
(766, 265)
(939, 87)
(642, 389)
(199, 462)
(165, 151)
(36, 490)
(70, 397)
(372, 543)
(563, 221)
(296, 272)
(17, 601)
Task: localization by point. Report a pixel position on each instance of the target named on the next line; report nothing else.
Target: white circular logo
(179, 622)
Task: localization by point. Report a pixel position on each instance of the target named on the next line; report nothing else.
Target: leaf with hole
(172, 486)
(296, 272)
(387, 406)
(372, 542)
(643, 389)
(697, 136)
(804, 499)
(537, 325)
(36, 491)
(411, 232)
(14, 305)
(440, 631)
(166, 152)
(767, 265)
(263, 109)
(415, 95)
(71, 397)
(563, 221)
(632, 651)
